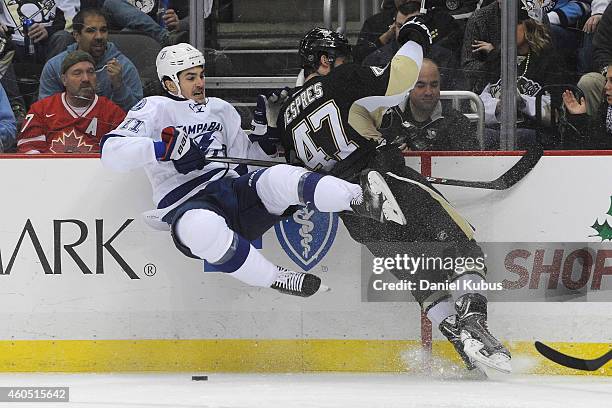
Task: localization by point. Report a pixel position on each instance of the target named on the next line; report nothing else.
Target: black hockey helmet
(322, 41)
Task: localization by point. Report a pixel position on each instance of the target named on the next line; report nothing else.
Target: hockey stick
(515, 174)
(520, 169)
(572, 362)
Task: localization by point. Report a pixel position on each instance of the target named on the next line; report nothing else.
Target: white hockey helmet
(173, 59)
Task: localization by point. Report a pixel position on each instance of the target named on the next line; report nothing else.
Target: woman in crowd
(537, 66)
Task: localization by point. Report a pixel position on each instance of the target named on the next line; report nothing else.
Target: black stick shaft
(503, 182)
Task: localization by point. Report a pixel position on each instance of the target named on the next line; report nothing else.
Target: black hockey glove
(420, 30)
(183, 151)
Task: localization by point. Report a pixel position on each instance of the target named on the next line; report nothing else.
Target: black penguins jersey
(317, 122)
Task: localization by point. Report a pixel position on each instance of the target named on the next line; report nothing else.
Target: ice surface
(318, 390)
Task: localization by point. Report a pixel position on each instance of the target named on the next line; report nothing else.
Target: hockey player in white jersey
(212, 211)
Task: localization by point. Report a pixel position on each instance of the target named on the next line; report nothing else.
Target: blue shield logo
(307, 236)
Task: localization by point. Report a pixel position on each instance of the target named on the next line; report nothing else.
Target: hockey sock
(332, 194)
(440, 311)
(281, 186)
(208, 237)
(466, 284)
(256, 270)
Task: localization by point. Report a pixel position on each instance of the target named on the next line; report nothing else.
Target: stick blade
(569, 361)
(512, 176)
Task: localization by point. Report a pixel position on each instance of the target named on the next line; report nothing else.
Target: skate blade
(391, 209)
(497, 361)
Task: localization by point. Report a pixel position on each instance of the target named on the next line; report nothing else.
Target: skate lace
(358, 200)
(289, 280)
(485, 325)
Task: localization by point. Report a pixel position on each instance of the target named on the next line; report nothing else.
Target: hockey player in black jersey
(319, 129)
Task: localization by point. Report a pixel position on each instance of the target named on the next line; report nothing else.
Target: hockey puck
(199, 378)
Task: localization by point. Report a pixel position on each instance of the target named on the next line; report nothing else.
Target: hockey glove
(274, 103)
(267, 136)
(182, 150)
(419, 30)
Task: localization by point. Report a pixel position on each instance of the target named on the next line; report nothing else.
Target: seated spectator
(383, 55)
(591, 132)
(8, 79)
(566, 18)
(538, 65)
(47, 21)
(144, 16)
(585, 53)
(172, 27)
(421, 123)
(377, 30)
(592, 84)
(117, 76)
(443, 51)
(480, 53)
(73, 121)
(7, 124)
(47, 18)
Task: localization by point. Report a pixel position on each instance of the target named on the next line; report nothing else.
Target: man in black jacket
(422, 123)
(377, 31)
(444, 51)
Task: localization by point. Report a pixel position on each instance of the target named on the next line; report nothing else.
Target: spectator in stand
(538, 65)
(47, 21)
(442, 51)
(377, 30)
(585, 53)
(73, 121)
(566, 18)
(422, 122)
(597, 9)
(117, 76)
(592, 84)
(7, 124)
(166, 27)
(591, 132)
(480, 57)
(380, 57)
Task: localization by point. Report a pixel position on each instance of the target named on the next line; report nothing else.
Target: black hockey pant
(434, 228)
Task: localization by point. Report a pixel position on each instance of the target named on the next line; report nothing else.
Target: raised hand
(171, 19)
(115, 73)
(572, 105)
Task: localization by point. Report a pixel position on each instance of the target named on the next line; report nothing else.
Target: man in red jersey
(73, 121)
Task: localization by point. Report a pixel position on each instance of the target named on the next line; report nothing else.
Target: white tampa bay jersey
(214, 126)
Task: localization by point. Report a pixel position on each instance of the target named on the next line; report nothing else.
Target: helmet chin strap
(178, 90)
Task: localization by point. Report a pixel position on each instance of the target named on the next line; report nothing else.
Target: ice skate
(298, 283)
(478, 343)
(450, 330)
(377, 201)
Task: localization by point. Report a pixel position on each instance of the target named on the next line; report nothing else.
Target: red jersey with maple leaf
(53, 126)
